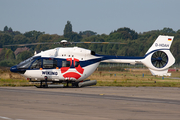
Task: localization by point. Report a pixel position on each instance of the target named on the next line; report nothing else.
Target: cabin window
(76, 64)
(36, 64)
(49, 63)
(66, 63)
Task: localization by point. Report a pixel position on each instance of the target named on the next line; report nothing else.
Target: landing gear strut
(67, 85)
(46, 85)
(41, 83)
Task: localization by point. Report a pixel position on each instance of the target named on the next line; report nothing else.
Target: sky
(101, 16)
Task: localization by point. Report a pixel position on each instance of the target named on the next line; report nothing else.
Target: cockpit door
(44, 67)
(50, 69)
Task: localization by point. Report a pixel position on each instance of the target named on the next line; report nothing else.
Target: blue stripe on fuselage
(154, 51)
(107, 57)
(90, 62)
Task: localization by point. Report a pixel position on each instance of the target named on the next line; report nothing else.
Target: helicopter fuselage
(72, 63)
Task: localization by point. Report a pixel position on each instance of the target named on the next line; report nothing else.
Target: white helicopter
(73, 64)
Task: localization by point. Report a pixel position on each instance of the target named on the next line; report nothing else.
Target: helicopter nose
(14, 69)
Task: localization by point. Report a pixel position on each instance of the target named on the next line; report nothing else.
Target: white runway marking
(6, 118)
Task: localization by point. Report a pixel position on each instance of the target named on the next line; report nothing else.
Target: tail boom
(158, 58)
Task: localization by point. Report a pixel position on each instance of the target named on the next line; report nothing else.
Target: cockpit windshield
(26, 63)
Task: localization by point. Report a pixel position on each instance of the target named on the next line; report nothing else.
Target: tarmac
(90, 103)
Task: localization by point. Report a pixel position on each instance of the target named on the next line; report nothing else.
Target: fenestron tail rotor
(159, 59)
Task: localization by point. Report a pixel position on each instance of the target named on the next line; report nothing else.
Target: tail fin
(162, 42)
(159, 58)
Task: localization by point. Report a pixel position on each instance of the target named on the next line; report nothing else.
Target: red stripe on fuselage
(78, 68)
(72, 75)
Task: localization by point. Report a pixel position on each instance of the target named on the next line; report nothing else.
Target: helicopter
(74, 64)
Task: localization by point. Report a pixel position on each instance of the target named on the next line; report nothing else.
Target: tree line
(137, 43)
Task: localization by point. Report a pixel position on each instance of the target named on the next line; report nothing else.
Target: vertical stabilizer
(162, 42)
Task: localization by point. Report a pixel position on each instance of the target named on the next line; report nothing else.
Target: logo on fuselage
(161, 45)
(49, 73)
(69, 75)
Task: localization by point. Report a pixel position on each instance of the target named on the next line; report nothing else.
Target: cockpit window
(49, 63)
(25, 64)
(36, 64)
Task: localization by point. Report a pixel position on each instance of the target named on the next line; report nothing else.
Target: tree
(125, 33)
(87, 33)
(67, 29)
(178, 31)
(10, 29)
(34, 34)
(19, 39)
(9, 54)
(24, 55)
(74, 37)
(45, 38)
(2, 54)
(5, 39)
(168, 30)
(6, 28)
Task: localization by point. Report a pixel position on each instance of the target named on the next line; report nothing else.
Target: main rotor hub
(64, 41)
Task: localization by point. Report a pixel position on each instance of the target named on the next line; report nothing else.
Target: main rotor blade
(64, 43)
(100, 42)
(29, 44)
